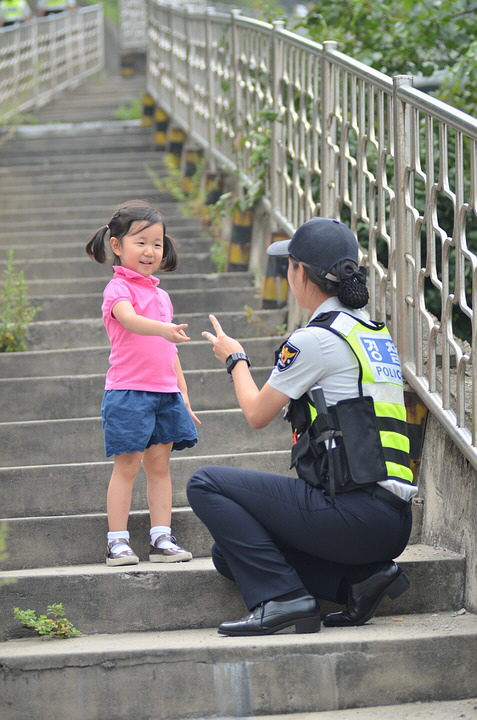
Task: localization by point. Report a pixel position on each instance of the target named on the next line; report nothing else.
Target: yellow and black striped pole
(275, 285)
(214, 187)
(240, 239)
(416, 416)
(161, 123)
(147, 118)
(192, 160)
(127, 65)
(175, 145)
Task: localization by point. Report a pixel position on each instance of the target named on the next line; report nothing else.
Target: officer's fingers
(217, 326)
(208, 336)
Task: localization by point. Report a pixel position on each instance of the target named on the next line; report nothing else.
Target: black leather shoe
(274, 615)
(365, 596)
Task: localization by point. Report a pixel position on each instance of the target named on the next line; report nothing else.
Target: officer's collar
(331, 303)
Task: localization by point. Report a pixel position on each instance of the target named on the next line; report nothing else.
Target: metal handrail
(41, 58)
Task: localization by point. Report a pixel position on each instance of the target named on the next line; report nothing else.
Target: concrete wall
(448, 484)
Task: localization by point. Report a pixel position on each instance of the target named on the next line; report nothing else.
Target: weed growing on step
(132, 110)
(15, 311)
(53, 624)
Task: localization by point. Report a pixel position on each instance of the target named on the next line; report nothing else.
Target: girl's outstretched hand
(174, 333)
(222, 344)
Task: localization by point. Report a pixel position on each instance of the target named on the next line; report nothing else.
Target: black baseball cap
(321, 243)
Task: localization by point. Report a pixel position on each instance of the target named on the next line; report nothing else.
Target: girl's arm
(124, 312)
(258, 406)
(183, 388)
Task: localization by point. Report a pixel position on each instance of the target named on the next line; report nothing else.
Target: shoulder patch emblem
(287, 357)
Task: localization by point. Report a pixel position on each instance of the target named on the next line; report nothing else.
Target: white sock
(158, 530)
(114, 536)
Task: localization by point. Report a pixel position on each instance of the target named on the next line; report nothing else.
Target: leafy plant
(131, 110)
(15, 310)
(406, 37)
(53, 624)
(111, 10)
(255, 141)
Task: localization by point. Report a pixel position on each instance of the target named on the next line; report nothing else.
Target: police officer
(287, 541)
(14, 11)
(53, 7)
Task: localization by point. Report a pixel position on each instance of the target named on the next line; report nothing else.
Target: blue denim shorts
(133, 420)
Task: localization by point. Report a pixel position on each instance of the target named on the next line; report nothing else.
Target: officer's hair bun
(352, 290)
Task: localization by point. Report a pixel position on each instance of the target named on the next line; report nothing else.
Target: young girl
(145, 410)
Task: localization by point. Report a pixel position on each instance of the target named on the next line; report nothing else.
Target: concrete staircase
(149, 647)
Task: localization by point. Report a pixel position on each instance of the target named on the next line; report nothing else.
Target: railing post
(190, 97)
(276, 67)
(101, 38)
(209, 88)
(328, 179)
(34, 60)
(402, 321)
(172, 99)
(234, 15)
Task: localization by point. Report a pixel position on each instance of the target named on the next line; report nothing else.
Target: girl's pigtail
(96, 245)
(170, 258)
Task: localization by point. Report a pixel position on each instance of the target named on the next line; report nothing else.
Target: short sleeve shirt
(138, 362)
(315, 356)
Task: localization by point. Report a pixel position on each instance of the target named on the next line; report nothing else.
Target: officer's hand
(222, 344)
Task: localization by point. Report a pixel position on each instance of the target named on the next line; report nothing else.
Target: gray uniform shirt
(315, 356)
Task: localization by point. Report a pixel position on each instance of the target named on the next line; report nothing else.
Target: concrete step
(172, 676)
(93, 360)
(87, 333)
(62, 184)
(101, 142)
(171, 282)
(82, 306)
(84, 161)
(71, 250)
(68, 489)
(79, 396)
(85, 267)
(78, 539)
(443, 710)
(175, 596)
(38, 442)
(74, 137)
(179, 228)
(34, 203)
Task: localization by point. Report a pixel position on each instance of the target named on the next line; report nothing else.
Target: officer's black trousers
(275, 534)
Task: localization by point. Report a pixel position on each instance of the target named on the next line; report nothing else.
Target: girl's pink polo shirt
(138, 362)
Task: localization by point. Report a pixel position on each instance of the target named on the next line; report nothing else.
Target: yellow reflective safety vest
(379, 380)
(12, 10)
(55, 4)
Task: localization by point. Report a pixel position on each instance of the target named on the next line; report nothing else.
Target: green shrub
(15, 311)
(53, 624)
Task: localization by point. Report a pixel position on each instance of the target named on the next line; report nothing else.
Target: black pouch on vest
(342, 450)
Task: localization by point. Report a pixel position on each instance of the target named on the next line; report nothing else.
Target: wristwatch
(233, 359)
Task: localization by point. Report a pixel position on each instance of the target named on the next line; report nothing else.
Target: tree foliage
(407, 37)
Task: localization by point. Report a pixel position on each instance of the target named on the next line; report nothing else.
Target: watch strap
(233, 359)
